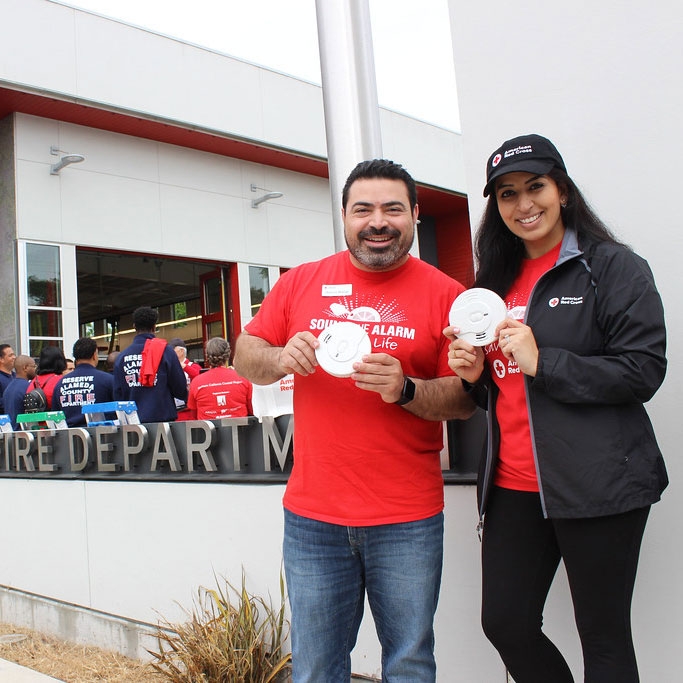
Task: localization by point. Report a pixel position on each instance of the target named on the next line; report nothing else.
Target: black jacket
(598, 322)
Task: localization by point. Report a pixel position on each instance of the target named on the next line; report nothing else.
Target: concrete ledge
(77, 624)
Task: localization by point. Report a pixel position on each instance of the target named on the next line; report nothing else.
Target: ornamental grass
(231, 636)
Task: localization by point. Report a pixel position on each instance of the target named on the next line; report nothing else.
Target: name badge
(337, 290)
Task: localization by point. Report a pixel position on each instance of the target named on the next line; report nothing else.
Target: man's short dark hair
(380, 168)
(84, 348)
(145, 319)
(3, 347)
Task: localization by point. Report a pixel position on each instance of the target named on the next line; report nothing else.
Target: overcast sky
(412, 43)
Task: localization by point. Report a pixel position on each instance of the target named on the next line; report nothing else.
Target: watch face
(408, 393)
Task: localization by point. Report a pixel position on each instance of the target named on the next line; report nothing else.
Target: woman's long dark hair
(51, 361)
(498, 252)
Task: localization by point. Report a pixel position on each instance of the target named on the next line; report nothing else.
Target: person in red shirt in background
(190, 369)
(220, 391)
(51, 367)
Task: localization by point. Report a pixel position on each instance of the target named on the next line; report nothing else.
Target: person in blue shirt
(25, 370)
(84, 385)
(7, 358)
(149, 372)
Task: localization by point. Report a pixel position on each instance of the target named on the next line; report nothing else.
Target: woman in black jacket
(572, 464)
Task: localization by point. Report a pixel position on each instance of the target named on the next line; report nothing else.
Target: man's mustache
(375, 232)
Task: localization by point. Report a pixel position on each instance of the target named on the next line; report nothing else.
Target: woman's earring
(563, 203)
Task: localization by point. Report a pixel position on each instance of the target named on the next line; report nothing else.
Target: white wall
(140, 195)
(140, 550)
(134, 549)
(48, 47)
(603, 81)
(51, 46)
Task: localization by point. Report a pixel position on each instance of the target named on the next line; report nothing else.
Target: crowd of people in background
(155, 373)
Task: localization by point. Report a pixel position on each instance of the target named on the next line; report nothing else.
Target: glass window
(44, 292)
(44, 323)
(43, 276)
(212, 295)
(180, 314)
(259, 286)
(36, 346)
(214, 329)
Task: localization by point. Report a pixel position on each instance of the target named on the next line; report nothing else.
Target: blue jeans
(329, 567)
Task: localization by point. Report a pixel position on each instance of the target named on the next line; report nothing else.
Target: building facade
(176, 143)
(131, 169)
(160, 212)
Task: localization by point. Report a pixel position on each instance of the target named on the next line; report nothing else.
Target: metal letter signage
(231, 450)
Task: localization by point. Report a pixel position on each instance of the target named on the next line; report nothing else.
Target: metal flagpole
(347, 66)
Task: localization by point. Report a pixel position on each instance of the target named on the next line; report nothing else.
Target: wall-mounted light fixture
(64, 161)
(269, 195)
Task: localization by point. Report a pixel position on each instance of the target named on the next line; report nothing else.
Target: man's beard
(380, 258)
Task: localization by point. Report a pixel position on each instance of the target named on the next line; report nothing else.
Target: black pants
(520, 554)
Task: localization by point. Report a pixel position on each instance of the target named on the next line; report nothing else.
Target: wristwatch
(408, 392)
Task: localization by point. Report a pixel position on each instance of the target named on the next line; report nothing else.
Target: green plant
(225, 641)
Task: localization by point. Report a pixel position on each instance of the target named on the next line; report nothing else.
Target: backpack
(35, 400)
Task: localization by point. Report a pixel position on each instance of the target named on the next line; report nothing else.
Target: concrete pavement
(13, 673)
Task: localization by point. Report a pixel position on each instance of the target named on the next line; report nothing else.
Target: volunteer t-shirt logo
(553, 302)
(358, 314)
(362, 309)
(383, 319)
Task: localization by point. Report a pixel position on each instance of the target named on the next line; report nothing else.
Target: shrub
(225, 641)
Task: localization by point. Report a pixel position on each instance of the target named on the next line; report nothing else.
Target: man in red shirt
(364, 501)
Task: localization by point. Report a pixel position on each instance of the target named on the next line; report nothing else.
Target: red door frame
(229, 313)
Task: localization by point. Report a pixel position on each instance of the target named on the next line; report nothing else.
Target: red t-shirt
(220, 392)
(47, 383)
(190, 369)
(516, 467)
(357, 460)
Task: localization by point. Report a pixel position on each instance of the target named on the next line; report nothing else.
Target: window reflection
(212, 295)
(259, 286)
(44, 323)
(43, 275)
